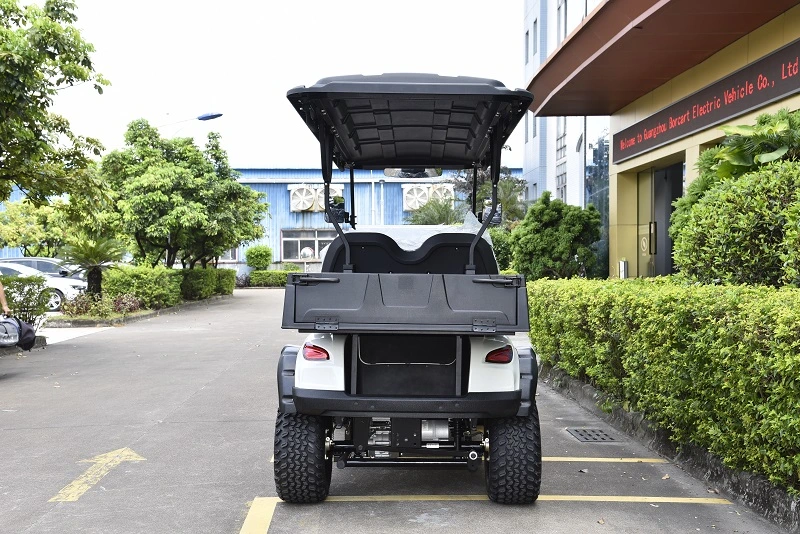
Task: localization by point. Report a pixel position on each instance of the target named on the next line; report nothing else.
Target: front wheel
(55, 299)
(302, 470)
(514, 468)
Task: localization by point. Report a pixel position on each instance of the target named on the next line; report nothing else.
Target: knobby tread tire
(302, 473)
(514, 468)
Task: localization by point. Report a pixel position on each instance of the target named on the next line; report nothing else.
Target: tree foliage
(37, 230)
(175, 201)
(436, 211)
(746, 147)
(555, 239)
(93, 256)
(509, 189)
(746, 230)
(41, 52)
(501, 243)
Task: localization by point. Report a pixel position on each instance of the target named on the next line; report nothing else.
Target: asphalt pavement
(166, 425)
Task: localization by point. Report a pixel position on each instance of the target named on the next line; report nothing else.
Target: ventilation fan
(442, 192)
(414, 197)
(302, 198)
(319, 202)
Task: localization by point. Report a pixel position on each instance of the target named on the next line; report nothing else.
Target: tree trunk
(94, 281)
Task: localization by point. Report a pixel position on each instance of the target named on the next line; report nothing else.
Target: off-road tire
(514, 467)
(302, 473)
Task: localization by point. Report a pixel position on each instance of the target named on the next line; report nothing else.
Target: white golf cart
(407, 362)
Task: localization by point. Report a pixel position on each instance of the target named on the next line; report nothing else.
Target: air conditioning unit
(415, 196)
(301, 197)
(319, 202)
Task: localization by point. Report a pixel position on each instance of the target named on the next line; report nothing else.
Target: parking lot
(165, 425)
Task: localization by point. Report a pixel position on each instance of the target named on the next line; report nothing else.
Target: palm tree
(93, 256)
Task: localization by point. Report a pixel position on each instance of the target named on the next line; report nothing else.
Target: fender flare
(528, 378)
(286, 366)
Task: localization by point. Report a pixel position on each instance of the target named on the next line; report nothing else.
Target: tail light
(504, 355)
(314, 353)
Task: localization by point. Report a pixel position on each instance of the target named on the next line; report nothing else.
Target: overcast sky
(170, 60)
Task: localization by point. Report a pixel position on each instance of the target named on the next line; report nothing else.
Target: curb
(752, 490)
(40, 343)
(120, 321)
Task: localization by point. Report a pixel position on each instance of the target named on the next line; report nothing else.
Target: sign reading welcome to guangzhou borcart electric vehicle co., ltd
(771, 78)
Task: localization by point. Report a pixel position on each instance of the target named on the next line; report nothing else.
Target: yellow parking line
(609, 460)
(260, 515)
(263, 508)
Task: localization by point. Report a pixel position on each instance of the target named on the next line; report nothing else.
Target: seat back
(446, 253)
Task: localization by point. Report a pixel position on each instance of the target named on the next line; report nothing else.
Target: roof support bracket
(326, 143)
(496, 149)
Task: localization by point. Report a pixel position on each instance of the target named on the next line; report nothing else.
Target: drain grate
(590, 435)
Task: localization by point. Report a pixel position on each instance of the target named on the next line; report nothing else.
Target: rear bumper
(471, 405)
(337, 403)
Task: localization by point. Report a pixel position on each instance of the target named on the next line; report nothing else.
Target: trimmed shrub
(501, 243)
(268, 278)
(258, 257)
(226, 281)
(27, 297)
(155, 287)
(745, 230)
(716, 366)
(290, 267)
(91, 305)
(198, 284)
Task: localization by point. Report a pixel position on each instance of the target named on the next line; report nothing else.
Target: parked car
(60, 288)
(49, 266)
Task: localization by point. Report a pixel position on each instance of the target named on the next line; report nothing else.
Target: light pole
(204, 117)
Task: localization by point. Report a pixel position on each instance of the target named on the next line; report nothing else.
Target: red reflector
(504, 355)
(314, 353)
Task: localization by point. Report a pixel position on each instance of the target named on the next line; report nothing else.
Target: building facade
(669, 74)
(566, 155)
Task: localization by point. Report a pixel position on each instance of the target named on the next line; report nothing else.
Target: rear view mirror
(415, 172)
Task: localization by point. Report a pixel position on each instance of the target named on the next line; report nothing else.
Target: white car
(61, 288)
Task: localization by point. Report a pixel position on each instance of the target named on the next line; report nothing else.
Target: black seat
(446, 253)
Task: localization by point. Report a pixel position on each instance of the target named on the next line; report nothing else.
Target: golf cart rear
(407, 362)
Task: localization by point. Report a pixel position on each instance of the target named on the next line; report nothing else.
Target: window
(562, 20)
(304, 245)
(527, 47)
(533, 125)
(535, 36)
(561, 137)
(230, 255)
(561, 182)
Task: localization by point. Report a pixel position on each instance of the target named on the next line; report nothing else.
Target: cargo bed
(406, 303)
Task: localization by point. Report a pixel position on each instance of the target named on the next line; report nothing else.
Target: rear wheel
(514, 468)
(302, 471)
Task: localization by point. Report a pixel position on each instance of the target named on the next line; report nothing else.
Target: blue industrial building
(295, 228)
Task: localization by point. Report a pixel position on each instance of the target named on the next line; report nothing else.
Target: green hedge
(268, 278)
(717, 366)
(156, 288)
(198, 284)
(226, 281)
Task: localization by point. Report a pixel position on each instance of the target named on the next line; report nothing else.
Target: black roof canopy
(410, 120)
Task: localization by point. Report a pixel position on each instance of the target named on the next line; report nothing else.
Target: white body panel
(484, 377)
